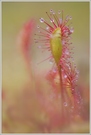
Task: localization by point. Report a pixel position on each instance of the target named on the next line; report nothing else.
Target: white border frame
(45, 0)
(1, 67)
(1, 53)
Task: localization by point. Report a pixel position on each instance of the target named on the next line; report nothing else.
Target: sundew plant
(51, 101)
(55, 37)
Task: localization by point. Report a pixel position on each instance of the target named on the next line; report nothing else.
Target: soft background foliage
(15, 14)
(15, 76)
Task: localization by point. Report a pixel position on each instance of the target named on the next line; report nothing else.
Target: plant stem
(62, 93)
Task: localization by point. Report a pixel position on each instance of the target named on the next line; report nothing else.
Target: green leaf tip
(56, 45)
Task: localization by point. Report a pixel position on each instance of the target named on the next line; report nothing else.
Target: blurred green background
(14, 15)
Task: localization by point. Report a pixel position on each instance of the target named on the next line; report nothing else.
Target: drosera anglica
(56, 38)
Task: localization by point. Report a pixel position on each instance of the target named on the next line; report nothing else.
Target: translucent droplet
(54, 70)
(71, 29)
(51, 11)
(60, 20)
(39, 31)
(65, 104)
(67, 52)
(41, 20)
(65, 76)
(47, 28)
(72, 89)
(51, 61)
(63, 42)
(78, 102)
(67, 18)
(38, 26)
(77, 72)
(52, 20)
(70, 18)
(39, 46)
(36, 41)
(59, 12)
(66, 34)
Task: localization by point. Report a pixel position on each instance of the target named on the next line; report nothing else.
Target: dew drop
(41, 20)
(67, 18)
(72, 89)
(52, 20)
(60, 20)
(71, 29)
(36, 41)
(78, 102)
(67, 52)
(39, 46)
(51, 11)
(51, 61)
(65, 76)
(66, 34)
(54, 70)
(59, 12)
(70, 18)
(77, 72)
(47, 28)
(63, 42)
(38, 26)
(65, 104)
